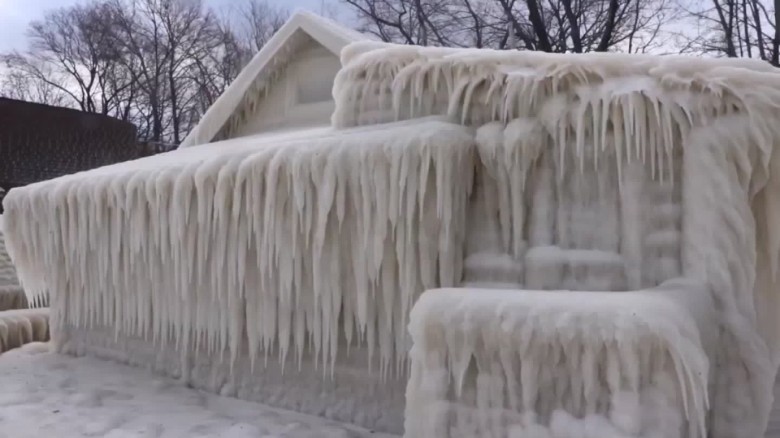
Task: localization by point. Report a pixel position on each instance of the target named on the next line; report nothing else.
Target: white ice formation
(278, 243)
(650, 186)
(22, 326)
(11, 293)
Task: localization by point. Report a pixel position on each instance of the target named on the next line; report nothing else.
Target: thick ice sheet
(46, 394)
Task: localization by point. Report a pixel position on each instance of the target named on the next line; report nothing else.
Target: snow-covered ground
(43, 394)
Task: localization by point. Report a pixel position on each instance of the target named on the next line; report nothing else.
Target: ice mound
(22, 326)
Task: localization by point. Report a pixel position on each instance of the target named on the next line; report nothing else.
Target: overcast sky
(16, 14)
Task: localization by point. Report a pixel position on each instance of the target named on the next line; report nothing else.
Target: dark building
(39, 142)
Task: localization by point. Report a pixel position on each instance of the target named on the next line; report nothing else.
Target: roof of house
(328, 33)
(39, 142)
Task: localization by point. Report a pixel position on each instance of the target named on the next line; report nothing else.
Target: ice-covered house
(597, 236)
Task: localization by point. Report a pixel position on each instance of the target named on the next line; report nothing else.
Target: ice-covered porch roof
(201, 211)
(380, 82)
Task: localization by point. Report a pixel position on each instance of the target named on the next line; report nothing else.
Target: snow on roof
(326, 32)
(196, 155)
(476, 86)
(613, 62)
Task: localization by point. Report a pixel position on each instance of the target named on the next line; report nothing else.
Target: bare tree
(185, 55)
(734, 28)
(242, 30)
(15, 84)
(545, 25)
(156, 63)
(253, 22)
(69, 52)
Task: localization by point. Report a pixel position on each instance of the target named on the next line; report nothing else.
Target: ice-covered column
(725, 163)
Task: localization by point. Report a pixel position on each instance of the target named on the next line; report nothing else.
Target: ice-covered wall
(263, 244)
(536, 224)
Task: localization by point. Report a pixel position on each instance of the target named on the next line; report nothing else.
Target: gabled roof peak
(326, 32)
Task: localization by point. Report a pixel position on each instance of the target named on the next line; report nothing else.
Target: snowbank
(46, 394)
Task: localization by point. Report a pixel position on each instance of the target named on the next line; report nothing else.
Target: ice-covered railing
(284, 242)
(508, 363)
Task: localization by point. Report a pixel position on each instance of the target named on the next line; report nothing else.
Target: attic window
(316, 88)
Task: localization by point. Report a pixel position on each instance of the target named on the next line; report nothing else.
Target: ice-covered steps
(22, 326)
